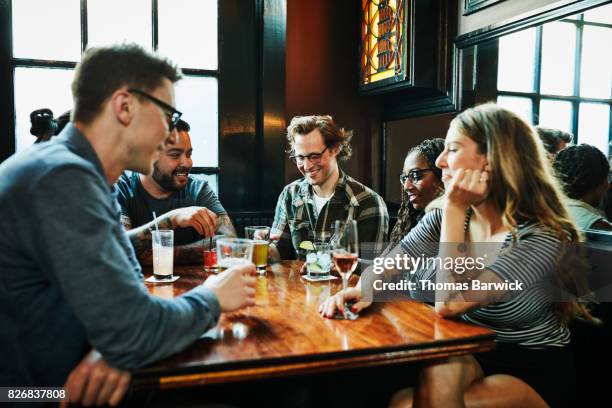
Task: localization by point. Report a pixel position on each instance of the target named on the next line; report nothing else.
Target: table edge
(306, 364)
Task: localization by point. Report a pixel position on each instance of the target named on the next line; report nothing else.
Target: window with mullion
(568, 84)
(186, 31)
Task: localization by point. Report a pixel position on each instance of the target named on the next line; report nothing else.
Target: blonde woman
(499, 191)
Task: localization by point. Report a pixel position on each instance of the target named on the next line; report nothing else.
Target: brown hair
(523, 187)
(333, 135)
(552, 138)
(103, 70)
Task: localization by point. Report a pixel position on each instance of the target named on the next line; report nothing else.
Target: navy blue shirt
(68, 278)
(138, 205)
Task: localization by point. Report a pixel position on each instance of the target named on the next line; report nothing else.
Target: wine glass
(345, 247)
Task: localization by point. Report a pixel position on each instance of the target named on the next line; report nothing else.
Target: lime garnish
(307, 245)
(315, 267)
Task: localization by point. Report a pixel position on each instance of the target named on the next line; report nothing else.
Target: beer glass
(260, 236)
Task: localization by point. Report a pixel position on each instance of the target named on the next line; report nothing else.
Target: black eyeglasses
(172, 115)
(414, 175)
(314, 158)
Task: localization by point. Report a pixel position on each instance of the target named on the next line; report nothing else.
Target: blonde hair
(523, 187)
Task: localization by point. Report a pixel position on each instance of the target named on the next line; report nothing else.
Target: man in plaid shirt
(307, 208)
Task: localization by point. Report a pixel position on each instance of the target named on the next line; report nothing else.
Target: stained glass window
(383, 42)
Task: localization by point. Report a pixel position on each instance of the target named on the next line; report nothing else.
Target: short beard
(164, 180)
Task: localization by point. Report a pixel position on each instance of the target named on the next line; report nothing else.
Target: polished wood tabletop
(283, 334)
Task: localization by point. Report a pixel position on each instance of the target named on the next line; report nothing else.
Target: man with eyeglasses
(69, 280)
(307, 208)
(182, 202)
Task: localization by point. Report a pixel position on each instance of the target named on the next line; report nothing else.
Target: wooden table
(284, 335)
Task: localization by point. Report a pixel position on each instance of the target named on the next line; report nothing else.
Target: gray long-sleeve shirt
(67, 280)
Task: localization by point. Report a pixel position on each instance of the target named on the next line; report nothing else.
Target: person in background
(73, 310)
(44, 126)
(421, 183)
(500, 190)
(584, 171)
(307, 208)
(62, 120)
(554, 140)
(181, 201)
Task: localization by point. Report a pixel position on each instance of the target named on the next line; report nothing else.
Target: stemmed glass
(345, 247)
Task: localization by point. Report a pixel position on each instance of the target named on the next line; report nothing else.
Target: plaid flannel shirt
(296, 220)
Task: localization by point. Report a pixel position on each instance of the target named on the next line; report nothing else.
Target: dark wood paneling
(323, 77)
(432, 94)
(251, 99)
(7, 116)
(243, 219)
(237, 103)
(273, 124)
(434, 29)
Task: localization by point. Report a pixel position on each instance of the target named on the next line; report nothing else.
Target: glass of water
(319, 261)
(233, 251)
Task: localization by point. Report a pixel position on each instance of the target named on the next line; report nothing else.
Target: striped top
(528, 319)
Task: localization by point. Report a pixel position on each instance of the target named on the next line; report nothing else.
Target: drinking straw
(210, 243)
(156, 227)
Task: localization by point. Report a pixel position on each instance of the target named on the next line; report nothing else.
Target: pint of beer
(260, 254)
(260, 236)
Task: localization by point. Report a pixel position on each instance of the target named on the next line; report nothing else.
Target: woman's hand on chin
(467, 188)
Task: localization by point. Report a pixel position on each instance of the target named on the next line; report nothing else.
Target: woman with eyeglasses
(421, 183)
(500, 191)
